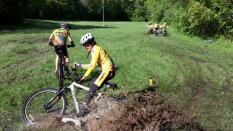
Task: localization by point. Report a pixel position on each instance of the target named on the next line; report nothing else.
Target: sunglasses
(86, 45)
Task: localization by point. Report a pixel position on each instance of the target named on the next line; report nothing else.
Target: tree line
(12, 11)
(206, 18)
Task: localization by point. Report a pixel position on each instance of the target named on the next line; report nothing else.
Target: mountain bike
(50, 101)
(160, 31)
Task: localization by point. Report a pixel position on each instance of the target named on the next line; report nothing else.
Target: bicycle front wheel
(35, 108)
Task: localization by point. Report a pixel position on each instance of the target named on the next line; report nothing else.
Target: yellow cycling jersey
(150, 26)
(60, 36)
(100, 57)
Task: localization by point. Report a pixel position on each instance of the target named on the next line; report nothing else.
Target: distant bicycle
(50, 101)
(160, 31)
(62, 71)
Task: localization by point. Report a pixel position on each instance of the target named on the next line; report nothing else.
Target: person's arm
(70, 40)
(85, 66)
(92, 65)
(51, 37)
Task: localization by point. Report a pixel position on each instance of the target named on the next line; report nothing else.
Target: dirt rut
(144, 111)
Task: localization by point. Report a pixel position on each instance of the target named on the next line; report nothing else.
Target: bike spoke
(35, 109)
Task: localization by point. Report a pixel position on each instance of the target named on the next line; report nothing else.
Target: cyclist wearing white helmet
(58, 39)
(100, 57)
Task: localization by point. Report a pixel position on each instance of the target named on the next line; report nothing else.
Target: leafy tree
(206, 18)
(10, 11)
(223, 10)
(155, 10)
(201, 19)
(139, 12)
(211, 17)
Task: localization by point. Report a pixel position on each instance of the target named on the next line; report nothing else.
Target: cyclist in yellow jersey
(164, 26)
(150, 28)
(100, 57)
(58, 39)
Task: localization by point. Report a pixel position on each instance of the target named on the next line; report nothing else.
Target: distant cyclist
(156, 27)
(164, 27)
(58, 39)
(100, 57)
(150, 28)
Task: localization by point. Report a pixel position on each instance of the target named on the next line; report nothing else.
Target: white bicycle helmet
(86, 39)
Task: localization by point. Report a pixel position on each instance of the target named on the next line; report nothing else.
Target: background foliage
(205, 18)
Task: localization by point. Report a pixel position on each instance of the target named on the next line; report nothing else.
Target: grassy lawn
(194, 75)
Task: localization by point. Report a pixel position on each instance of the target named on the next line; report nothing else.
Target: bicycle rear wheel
(35, 109)
(61, 71)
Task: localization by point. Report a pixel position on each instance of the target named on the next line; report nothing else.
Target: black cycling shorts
(63, 49)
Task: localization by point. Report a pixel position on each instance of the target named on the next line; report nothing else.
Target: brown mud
(142, 111)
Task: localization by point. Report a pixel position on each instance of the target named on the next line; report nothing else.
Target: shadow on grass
(40, 26)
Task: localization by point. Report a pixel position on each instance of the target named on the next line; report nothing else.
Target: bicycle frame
(72, 89)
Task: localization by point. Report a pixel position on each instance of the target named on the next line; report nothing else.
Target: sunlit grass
(195, 75)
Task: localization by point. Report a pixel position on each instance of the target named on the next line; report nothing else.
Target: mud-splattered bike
(52, 101)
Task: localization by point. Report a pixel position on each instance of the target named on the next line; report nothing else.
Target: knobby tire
(34, 110)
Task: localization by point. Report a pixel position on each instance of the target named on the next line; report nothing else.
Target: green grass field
(194, 75)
